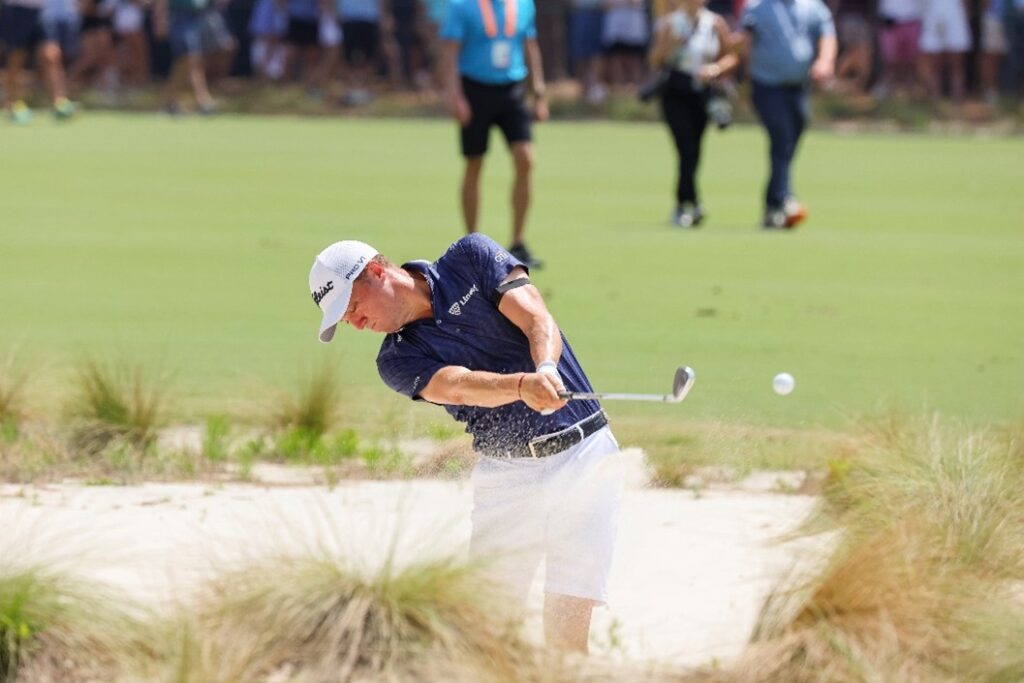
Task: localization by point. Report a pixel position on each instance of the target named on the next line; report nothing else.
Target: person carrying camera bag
(693, 49)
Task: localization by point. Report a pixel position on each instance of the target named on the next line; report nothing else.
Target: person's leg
(674, 113)
(12, 84)
(777, 121)
(51, 62)
(523, 160)
(470, 191)
(567, 622)
(197, 78)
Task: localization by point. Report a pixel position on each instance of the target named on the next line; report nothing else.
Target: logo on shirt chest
(456, 308)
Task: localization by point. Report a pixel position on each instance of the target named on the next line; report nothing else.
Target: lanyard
(490, 25)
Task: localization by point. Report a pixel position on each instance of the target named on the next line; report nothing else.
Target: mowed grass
(185, 245)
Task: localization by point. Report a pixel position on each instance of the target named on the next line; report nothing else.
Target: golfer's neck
(421, 304)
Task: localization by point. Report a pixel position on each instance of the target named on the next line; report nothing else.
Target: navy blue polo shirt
(467, 330)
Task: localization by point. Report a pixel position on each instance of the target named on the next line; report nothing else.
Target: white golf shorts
(944, 28)
(562, 509)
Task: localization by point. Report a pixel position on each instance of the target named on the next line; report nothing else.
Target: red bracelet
(519, 387)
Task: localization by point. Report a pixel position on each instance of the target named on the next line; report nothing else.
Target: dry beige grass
(932, 537)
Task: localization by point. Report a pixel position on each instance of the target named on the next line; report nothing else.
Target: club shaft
(587, 396)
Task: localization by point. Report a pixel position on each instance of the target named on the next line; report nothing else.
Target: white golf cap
(331, 277)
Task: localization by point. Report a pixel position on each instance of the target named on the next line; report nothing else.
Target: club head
(681, 384)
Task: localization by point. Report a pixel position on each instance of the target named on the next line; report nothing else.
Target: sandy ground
(691, 569)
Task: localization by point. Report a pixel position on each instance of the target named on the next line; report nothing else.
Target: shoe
(773, 219)
(523, 255)
(173, 109)
(20, 114)
(795, 212)
(207, 109)
(64, 109)
(687, 216)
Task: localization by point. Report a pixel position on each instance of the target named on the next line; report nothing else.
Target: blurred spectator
(898, 40)
(24, 26)
(993, 48)
(268, 26)
(489, 59)
(854, 19)
(303, 52)
(179, 22)
(434, 12)
(694, 48)
(586, 22)
(1013, 22)
(361, 28)
(945, 39)
(60, 24)
(624, 35)
(132, 46)
(791, 42)
(412, 59)
(551, 37)
(218, 45)
(97, 57)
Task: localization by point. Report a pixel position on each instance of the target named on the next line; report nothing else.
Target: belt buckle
(533, 452)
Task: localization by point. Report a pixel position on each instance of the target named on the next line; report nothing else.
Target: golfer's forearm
(545, 340)
(463, 387)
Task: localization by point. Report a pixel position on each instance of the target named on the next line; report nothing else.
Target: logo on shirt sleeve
(501, 257)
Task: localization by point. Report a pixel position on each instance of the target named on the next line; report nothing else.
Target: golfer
(471, 333)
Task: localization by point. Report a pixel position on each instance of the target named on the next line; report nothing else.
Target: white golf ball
(783, 383)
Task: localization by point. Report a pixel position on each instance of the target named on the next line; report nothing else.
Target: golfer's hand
(709, 73)
(540, 392)
(458, 105)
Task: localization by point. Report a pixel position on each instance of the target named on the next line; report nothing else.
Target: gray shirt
(784, 38)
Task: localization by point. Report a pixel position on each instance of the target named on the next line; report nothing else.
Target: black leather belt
(549, 444)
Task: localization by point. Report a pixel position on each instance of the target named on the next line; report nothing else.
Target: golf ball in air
(783, 383)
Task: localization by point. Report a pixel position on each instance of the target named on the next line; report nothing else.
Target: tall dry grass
(115, 403)
(312, 618)
(13, 381)
(925, 582)
(57, 627)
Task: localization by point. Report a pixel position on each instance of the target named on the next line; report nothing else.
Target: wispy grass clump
(12, 398)
(313, 408)
(925, 582)
(115, 403)
(55, 627)
(315, 618)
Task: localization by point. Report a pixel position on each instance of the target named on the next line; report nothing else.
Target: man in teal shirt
(490, 57)
(791, 42)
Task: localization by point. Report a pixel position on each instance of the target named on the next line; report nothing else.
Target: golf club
(681, 384)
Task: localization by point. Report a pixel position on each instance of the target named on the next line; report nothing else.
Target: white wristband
(548, 366)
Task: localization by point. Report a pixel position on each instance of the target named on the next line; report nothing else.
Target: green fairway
(186, 245)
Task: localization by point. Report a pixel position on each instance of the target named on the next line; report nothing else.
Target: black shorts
(96, 22)
(20, 28)
(303, 32)
(361, 38)
(503, 106)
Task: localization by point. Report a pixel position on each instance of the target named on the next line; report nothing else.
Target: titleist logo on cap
(319, 294)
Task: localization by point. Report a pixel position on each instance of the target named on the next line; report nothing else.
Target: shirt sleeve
(404, 368)
(530, 32)
(826, 27)
(490, 262)
(454, 27)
